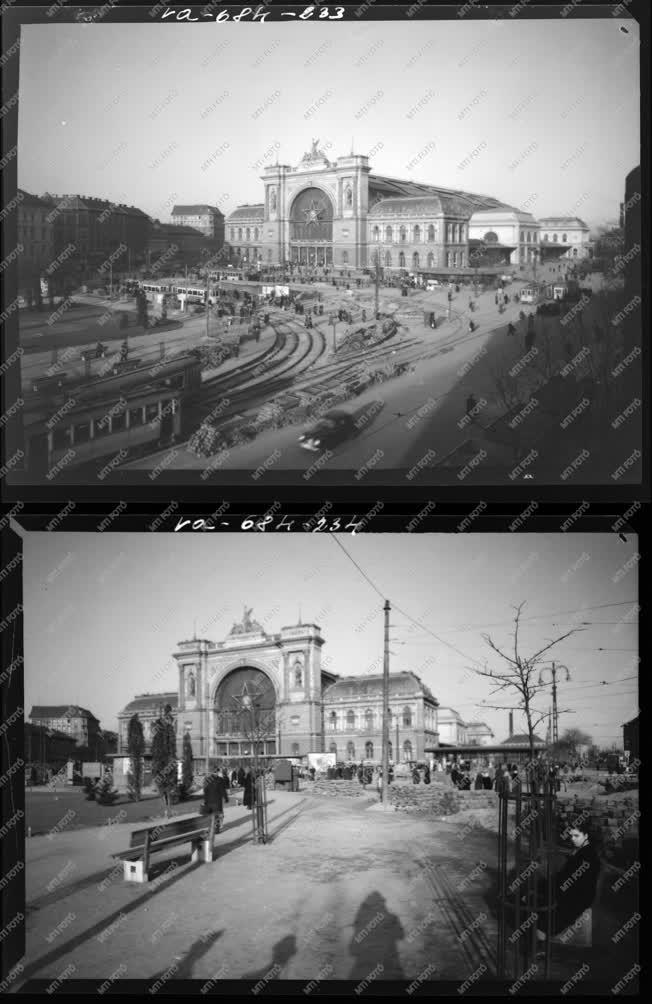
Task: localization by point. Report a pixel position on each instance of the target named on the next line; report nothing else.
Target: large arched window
(311, 216)
(350, 751)
(369, 750)
(491, 237)
(232, 233)
(376, 258)
(415, 260)
(431, 260)
(239, 233)
(407, 718)
(388, 259)
(388, 234)
(401, 260)
(233, 715)
(332, 721)
(376, 233)
(345, 257)
(449, 260)
(402, 234)
(407, 750)
(369, 719)
(255, 233)
(431, 232)
(564, 238)
(555, 238)
(350, 719)
(417, 234)
(333, 748)
(462, 259)
(248, 234)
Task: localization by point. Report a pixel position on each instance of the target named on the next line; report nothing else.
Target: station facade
(271, 694)
(340, 214)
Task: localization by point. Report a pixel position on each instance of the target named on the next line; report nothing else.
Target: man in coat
(215, 795)
(248, 786)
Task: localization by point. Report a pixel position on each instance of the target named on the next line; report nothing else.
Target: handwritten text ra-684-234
(267, 522)
(251, 13)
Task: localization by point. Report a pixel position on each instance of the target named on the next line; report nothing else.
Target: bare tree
(518, 676)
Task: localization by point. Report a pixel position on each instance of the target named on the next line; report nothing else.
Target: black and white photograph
(314, 248)
(372, 758)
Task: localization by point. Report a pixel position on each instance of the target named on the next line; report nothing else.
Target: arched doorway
(244, 714)
(311, 228)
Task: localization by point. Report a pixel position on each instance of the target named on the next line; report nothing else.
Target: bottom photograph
(393, 757)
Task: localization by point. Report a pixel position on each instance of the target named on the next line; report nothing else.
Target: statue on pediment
(315, 155)
(248, 624)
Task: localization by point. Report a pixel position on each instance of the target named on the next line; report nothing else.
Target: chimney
(511, 724)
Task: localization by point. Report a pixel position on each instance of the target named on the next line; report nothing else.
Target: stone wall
(614, 821)
(439, 799)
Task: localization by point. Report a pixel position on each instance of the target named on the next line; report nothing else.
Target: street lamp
(259, 800)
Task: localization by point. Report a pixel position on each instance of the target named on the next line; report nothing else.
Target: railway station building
(273, 690)
(341, 214)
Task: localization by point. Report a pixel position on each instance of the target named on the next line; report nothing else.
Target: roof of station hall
(398, 197)
(253, 212)
(403, 684)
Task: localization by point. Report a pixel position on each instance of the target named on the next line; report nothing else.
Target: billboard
(321, 761)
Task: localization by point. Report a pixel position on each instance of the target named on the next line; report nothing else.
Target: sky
(541, 114)
(104, 612)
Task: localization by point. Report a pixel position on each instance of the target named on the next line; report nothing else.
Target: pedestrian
(471, 326)
(511, 330)
(496, 299)
(478, 784)
(416, 778)
(249, 788)
(215, 795)
(241, 776)
(426, 775)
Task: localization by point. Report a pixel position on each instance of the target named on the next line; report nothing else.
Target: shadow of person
(281, 954)
(376, 933)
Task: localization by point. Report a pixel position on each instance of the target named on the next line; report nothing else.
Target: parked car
(337, 426)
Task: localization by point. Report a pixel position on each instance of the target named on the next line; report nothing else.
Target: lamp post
(259, 799)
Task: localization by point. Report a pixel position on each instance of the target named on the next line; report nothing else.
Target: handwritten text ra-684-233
(252, 13)
(267, 522)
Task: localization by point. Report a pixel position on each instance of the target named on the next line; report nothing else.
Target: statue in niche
(297, 669)
(348, 195)
(272, 200)
(191, 684)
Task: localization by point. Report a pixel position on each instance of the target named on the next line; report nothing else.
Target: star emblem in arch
(314, 213)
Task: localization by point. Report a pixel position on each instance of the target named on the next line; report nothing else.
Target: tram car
(125, 414)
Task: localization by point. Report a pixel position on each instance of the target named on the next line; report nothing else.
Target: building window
(417, 234)
(61, 437)
(407, 750)
(431, 232)
(350, 751)
(529, 236)
(369, 750)
(151, 412)
(248, 234)
(376, 233)
(564, 238)
(401, 260)
(345, 257)
(388, 234)
(407, 718)
(431, 260)
(333, 748)
(350, 719)
(295, 748)
(415, 260)
(454, 259)
(402, 234)
(239, 233)
(388, 259)
(332, 721)
(82, 433)
(369, 719)
(555, 238)
(449, 259)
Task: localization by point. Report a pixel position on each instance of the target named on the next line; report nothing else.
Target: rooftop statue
(248, 624)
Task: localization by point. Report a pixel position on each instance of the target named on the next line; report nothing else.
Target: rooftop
(151, 702)
(199, 210)
(60, 711)
(247, 212)
(562, 221)
(401, 684)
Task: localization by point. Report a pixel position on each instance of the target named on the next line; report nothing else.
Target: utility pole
(385, 767)
(377, 284)
(555, 716)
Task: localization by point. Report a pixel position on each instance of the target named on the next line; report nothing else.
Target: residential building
(36, 235)
(209, 220)
(69, 719)
(564, 237)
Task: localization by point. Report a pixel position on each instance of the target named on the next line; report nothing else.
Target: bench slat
(162, 830)
(181, 838)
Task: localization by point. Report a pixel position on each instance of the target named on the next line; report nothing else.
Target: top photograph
(326, 252)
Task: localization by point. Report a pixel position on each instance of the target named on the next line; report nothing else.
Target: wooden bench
(199, 832)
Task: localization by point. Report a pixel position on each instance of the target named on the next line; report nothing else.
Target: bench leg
(202, 851)
(134, 871)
